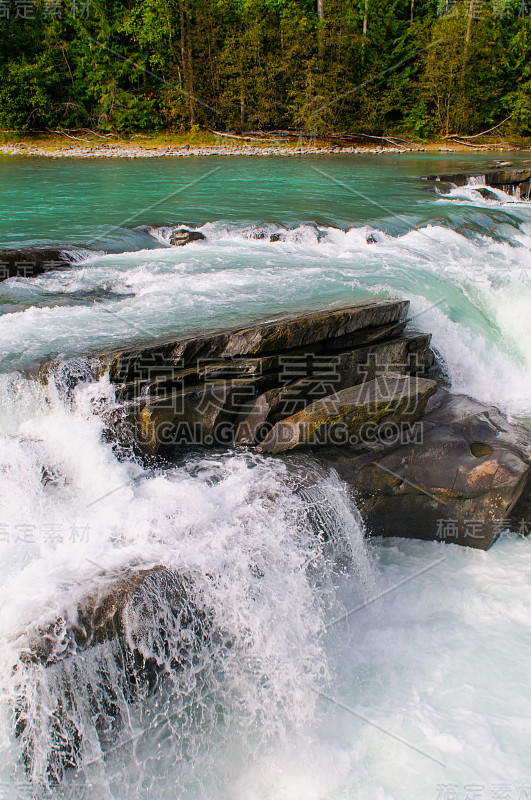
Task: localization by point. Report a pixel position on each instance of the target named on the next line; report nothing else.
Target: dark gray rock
(487, 194)
(201, 414)
(326, 375)
(355, 325)
(183, 236)
(28, 262)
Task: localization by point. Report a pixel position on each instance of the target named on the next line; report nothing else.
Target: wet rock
(487, 194)
(342, 417)
(184, 236)
(79, 674)
(256, 233)
(110, 610)
(328, 374)
(28, 262)
(203, 414)
(254, 417)
(340, 328)
(457, 477)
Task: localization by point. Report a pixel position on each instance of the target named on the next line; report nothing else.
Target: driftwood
(476, 135)
(243, 138)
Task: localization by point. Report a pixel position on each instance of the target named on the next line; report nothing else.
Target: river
(421, 691)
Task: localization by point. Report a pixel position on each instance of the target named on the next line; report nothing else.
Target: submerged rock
(487, 194)
(342, 417)
(113, 609)
(79, 674)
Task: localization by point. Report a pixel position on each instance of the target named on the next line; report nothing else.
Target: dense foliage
(429, 67)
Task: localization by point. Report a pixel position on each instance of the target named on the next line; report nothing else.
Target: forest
(424, 68)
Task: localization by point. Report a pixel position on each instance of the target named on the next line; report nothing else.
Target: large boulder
(346, 416)
(457, 479)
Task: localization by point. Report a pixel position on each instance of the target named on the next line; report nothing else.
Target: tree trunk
(467, 36)
(411, 7)
(469, 23)
(183, 46)
(320, 9)
(365, 27)
(190, 63)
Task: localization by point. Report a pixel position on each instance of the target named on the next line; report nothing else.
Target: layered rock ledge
(354, 387)
(515, 182)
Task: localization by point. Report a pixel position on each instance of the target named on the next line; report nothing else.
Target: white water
(437, 667)
(233, 523)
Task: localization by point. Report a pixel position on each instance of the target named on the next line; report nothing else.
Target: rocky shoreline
(169, 151)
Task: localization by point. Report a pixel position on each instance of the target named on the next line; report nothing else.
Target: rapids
(425, 684)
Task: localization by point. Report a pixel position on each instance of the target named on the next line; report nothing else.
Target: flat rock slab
(388, 398)
(263, 339)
